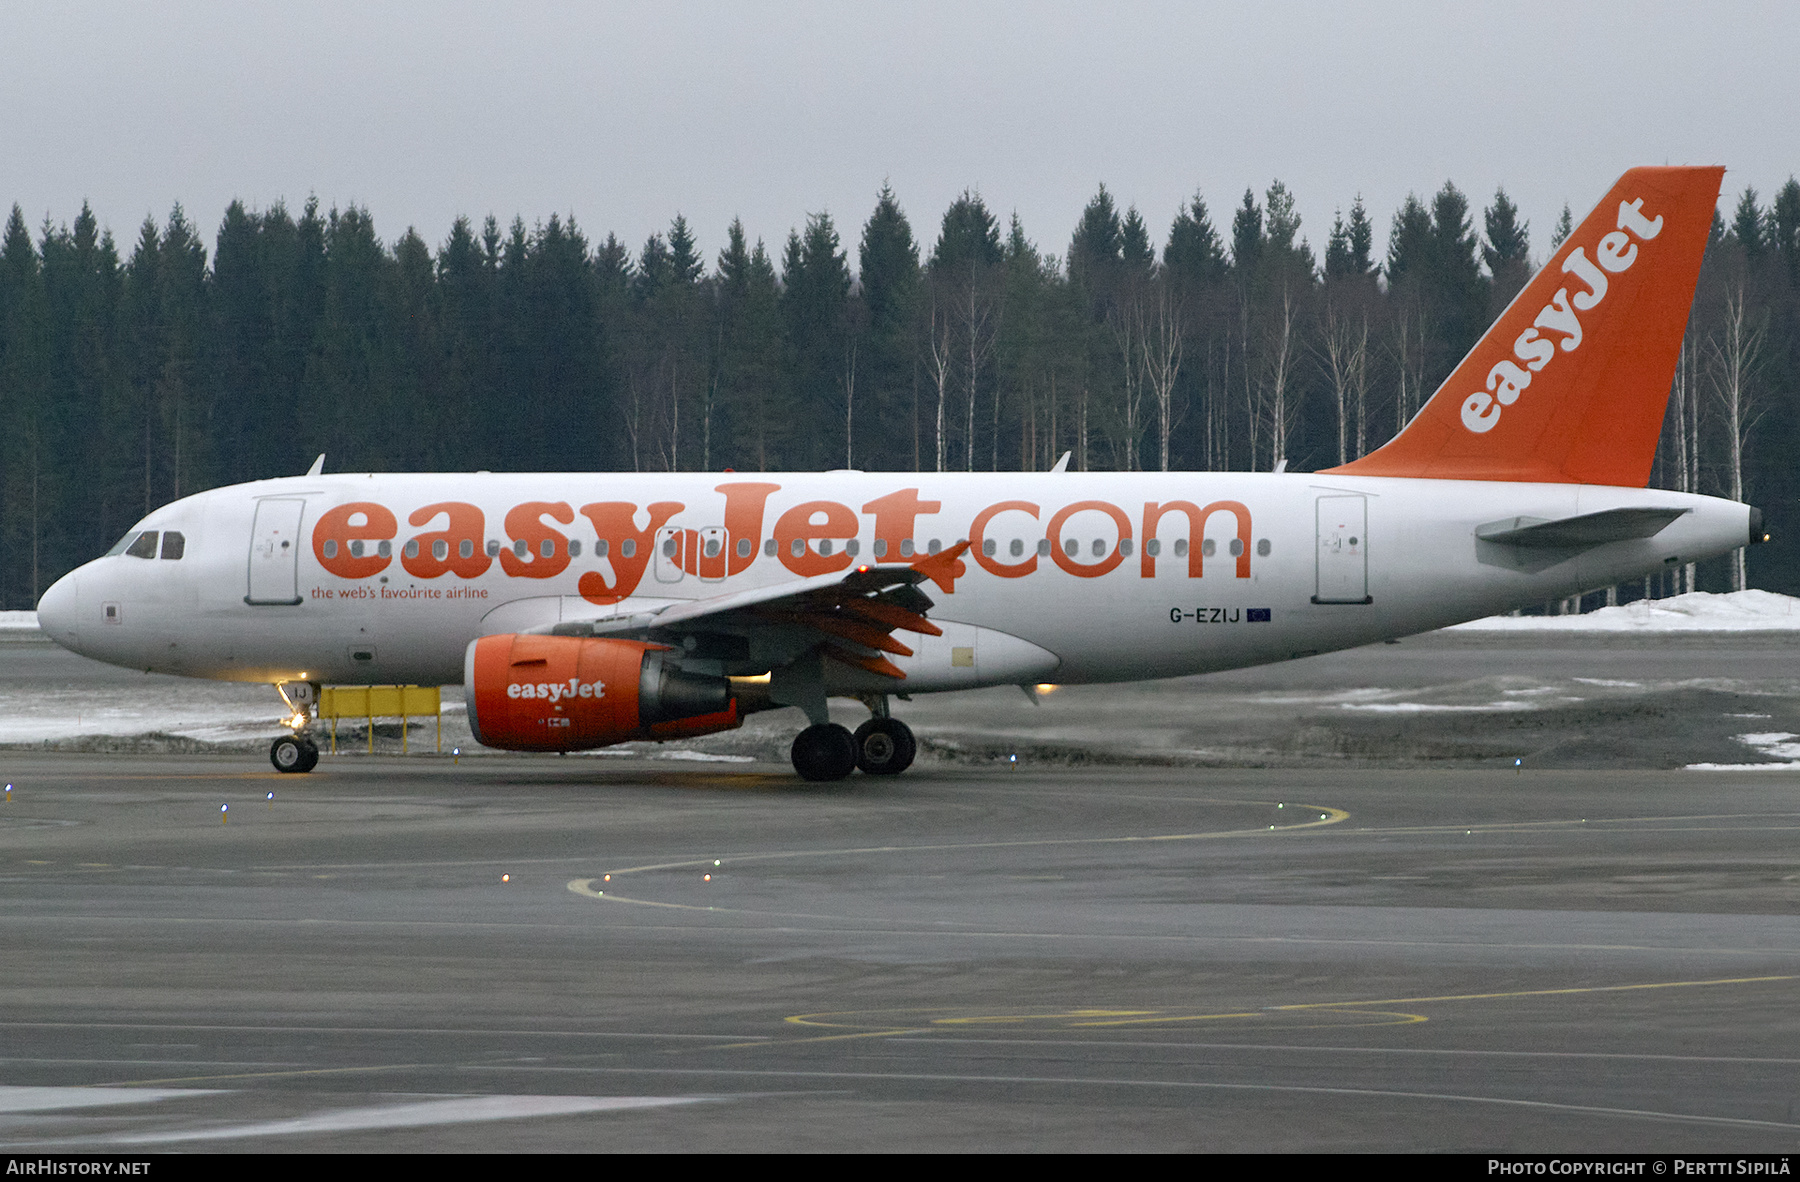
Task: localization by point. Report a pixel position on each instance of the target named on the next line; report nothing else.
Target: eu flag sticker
(1257, 615)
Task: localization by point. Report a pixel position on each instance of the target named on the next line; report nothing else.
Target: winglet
(944, 567)
(1570, 384)
(318, 467)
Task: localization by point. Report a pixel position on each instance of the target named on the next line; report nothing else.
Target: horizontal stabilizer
(1579, 533)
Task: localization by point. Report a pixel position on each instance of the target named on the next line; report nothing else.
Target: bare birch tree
(979, 334)
(1124, 319)
(1734, 351)
(942, 360)
(1162, 338)
(1342, 347)
(1283, 410)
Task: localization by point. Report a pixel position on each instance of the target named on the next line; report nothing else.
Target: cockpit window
(174, 544)
(144, 546)
(119, 546)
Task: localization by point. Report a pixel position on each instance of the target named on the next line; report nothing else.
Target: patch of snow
(1778, 745)
(1697, 611)
(1435, 708)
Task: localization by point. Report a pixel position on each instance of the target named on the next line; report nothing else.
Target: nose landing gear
(296, 753)
(293, 753)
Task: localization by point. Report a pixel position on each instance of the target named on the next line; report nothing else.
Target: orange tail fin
(1569, 385)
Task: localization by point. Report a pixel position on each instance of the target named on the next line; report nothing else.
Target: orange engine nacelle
(568, 693)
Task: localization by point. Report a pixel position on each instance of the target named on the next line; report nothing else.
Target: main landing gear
(882, 746)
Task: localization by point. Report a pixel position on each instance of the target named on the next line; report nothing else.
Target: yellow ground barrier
(381, 701)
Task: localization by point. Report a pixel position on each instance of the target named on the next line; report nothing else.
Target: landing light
(1045, 687)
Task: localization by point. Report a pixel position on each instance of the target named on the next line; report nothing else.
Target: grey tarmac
(406, 955)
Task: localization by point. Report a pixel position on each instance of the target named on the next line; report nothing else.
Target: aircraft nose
(59, 610)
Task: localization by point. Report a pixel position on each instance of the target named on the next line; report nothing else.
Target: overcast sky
(625, 114)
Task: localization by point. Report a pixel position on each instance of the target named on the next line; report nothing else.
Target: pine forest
(135, 373)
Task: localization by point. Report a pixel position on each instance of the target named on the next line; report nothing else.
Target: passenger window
(145, 546)
(547, 548)
(440, 549)
(744, 547)
(412, 548)
(385, 549)
(493, 547)
(466, 548)
(628, 547)
(174, 545)
(574, 547)
(601, 548)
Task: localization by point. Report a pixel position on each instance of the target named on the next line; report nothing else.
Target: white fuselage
(1327, 562)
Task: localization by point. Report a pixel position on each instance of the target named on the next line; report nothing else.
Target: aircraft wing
(850, 616)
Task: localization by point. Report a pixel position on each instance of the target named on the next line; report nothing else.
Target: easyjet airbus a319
(584, 609)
